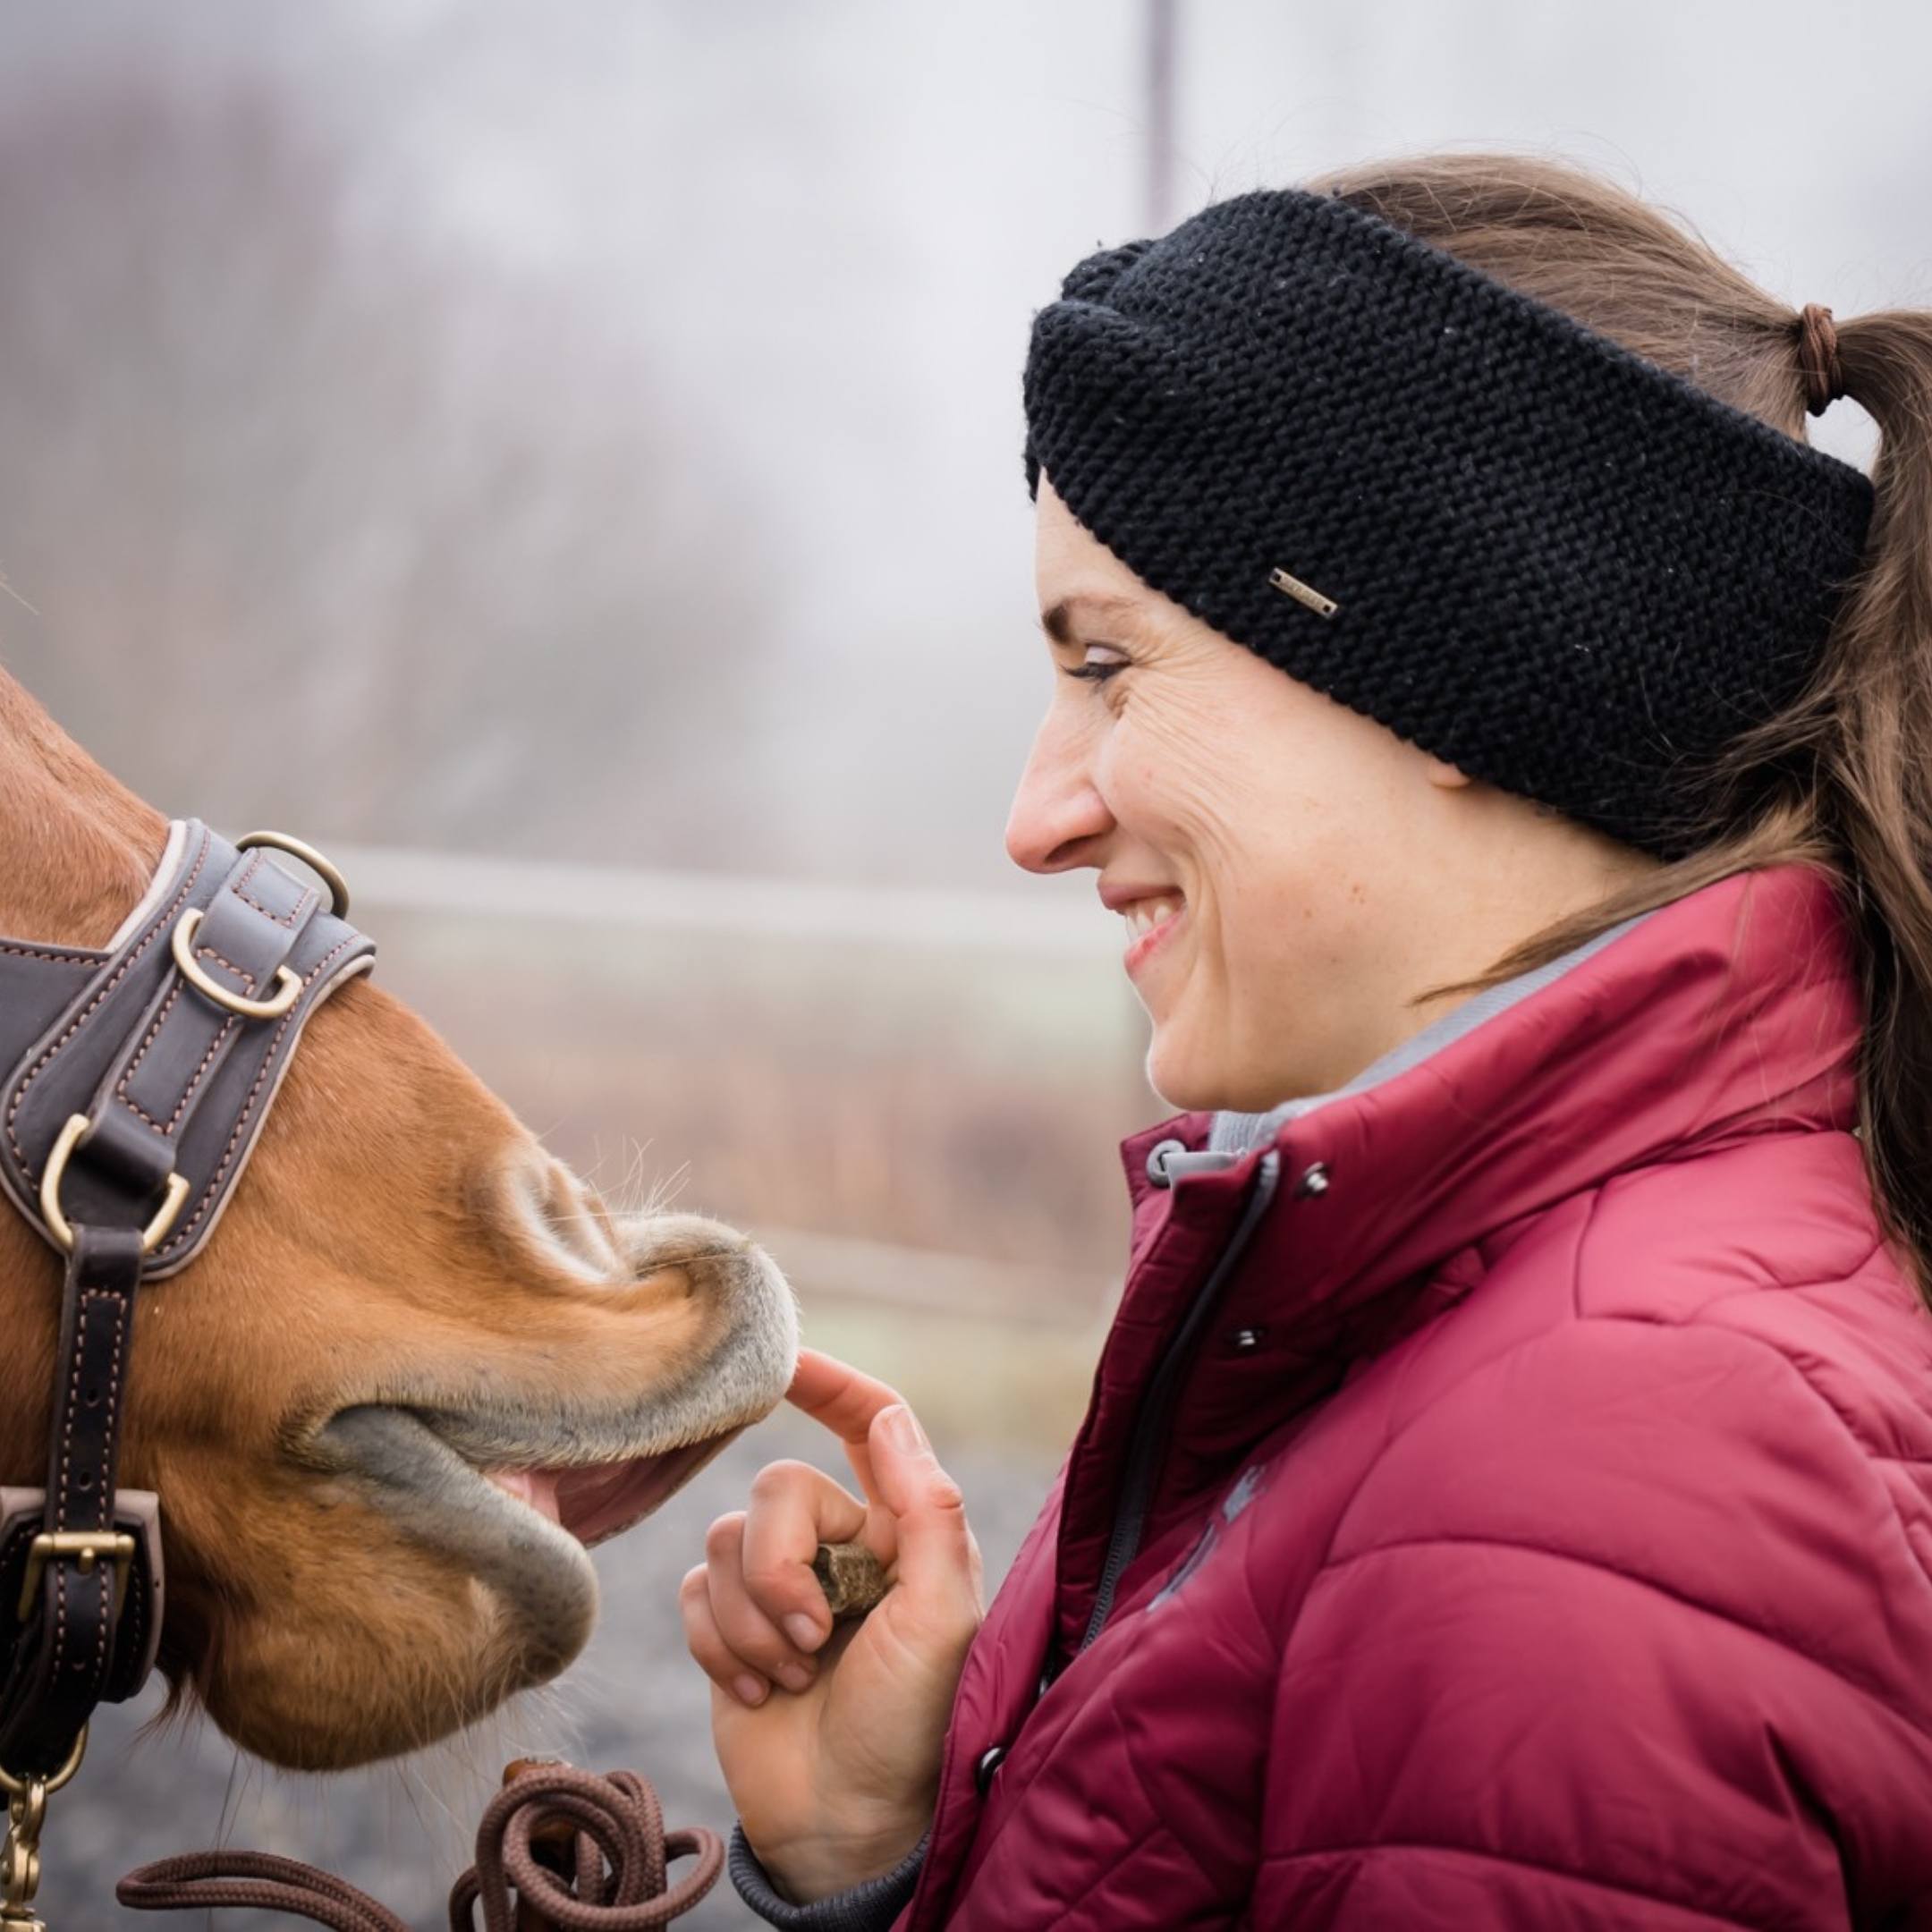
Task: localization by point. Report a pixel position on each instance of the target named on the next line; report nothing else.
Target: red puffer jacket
(1506, 1500)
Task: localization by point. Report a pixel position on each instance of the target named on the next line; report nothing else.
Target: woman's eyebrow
(1058, 621)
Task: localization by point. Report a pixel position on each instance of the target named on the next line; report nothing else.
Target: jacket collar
(1731, 1012)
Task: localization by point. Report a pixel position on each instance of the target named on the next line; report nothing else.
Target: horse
(417, 1369)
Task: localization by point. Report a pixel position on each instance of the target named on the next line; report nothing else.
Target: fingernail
(802, 1630)
(795, 1677)
(748, 1688)
(903, 1427)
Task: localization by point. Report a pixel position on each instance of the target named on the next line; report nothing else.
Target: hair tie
(1817, 359)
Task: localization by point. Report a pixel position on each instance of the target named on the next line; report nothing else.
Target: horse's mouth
(506, 1481)
(603, 1500)
(508, 1512)
(483, 1484)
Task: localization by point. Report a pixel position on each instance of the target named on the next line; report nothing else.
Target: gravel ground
(401, 1832)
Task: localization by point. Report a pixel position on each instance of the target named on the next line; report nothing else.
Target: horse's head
(418, 1368)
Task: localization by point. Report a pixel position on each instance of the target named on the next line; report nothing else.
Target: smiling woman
(1505, 1499)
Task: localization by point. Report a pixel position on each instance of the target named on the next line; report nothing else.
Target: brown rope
(1817, 359)
(256, 1878)
(559, 1850)
(621, 1849)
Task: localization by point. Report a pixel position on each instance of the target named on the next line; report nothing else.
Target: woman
(1506, 1499)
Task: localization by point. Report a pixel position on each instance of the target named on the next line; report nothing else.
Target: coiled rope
(559, 1850)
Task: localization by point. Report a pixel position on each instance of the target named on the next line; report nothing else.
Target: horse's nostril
(674, 1277)
(564, 1216)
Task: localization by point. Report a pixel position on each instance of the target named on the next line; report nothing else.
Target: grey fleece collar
(1242, 1133)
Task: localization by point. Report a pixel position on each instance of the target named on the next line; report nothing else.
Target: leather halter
(140, 1078)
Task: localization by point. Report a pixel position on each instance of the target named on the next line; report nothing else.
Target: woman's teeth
(1145, 914)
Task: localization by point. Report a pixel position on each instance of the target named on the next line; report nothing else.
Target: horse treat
(849, 1574)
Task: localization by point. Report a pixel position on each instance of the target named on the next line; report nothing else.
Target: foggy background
(564, 460)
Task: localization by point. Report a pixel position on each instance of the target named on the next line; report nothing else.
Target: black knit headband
(1512, 541)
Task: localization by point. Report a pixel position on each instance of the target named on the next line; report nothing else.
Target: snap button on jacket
(1554, 1551)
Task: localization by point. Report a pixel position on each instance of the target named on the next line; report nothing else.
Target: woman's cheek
(1162, 779)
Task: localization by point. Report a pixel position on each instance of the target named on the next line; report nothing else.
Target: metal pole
(1161, 29)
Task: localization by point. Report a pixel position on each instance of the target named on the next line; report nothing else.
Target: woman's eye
(1100, 663)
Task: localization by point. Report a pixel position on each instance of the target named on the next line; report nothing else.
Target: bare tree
(322, 528)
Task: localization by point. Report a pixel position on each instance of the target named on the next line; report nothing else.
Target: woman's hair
(1842, 780)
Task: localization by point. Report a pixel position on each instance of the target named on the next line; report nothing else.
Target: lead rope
(559, 1850)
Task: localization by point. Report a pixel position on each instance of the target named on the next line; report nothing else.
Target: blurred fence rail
(921, 1280)
(773, 910)
(913, 1096)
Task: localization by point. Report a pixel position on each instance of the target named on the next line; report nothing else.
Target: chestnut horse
(419, 1368)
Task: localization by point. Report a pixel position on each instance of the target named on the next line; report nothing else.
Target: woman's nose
(1057, 812)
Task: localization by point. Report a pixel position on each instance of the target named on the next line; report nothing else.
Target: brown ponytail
(1843, 779)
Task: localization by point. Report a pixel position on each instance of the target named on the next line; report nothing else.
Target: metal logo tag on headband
(1303, 593)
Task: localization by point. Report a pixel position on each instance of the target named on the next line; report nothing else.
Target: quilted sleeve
(1628, 1628)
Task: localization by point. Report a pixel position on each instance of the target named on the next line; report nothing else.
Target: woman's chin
(1187, 1079)
(1180, 1080)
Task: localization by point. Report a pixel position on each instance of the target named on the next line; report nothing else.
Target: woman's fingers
(754, 1612)
(938, 1561)
(795, 1508)
(845, 1400)
(748, 1632)
(705, 1642)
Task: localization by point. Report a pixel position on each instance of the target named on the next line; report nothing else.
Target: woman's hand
(830, 1744)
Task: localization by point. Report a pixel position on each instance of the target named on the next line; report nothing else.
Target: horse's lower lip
(454, 1476)
(605, 1499)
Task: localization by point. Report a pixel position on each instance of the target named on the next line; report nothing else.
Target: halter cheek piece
(140, 1078)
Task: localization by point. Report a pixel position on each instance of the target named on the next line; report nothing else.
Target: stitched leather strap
(38, 982)
(65, 1659)
(141, 1074)
(172, 1082)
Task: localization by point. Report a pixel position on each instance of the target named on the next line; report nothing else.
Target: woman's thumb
(937, 1561)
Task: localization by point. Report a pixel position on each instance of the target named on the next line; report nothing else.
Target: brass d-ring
(15, 1786)
(196, 976)
(281, 841)
(58, 1224)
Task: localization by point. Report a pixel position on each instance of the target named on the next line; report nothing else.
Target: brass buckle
(196, 976)
(281, 841)
(87, 1547)
(58, 1224)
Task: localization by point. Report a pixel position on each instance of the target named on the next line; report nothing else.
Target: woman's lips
(1150, 924)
